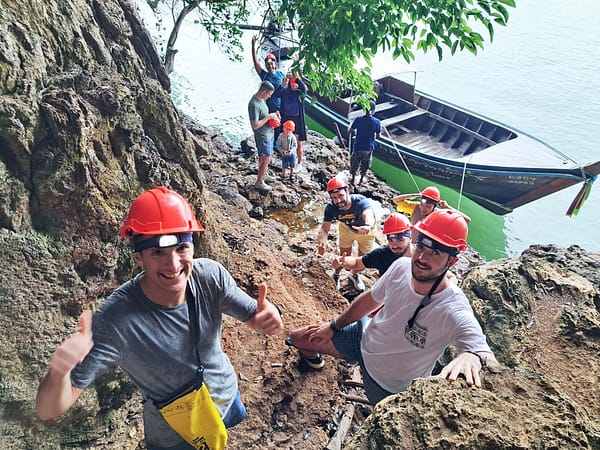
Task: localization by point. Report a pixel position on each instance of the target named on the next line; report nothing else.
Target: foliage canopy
(335, 36)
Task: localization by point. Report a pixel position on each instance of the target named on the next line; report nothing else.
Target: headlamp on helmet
(434, 245)
(142, 242)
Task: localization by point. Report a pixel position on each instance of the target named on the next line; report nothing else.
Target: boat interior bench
(380, 107)
(402, 117)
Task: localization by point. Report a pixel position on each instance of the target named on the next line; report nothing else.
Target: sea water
(540, 75)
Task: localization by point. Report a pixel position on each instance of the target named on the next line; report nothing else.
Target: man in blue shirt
(367, 129)
(270, 74)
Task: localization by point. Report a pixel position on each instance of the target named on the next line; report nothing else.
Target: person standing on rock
(422, 312)
(368, 128)
(271, 74)
(163, 329)
(356, 221)
(286, 146)
(263, 122)
(292, 108)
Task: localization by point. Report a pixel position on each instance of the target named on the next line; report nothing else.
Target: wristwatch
(482, 360)
(333, 326)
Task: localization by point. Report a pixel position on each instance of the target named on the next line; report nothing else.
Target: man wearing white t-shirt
(421, 314)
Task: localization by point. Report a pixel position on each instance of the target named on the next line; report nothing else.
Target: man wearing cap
(422, 313)
(260, 119)
(426, 202)
(163, 327)
(368, 128)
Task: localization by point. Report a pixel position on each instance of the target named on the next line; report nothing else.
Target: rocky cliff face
(86, 124)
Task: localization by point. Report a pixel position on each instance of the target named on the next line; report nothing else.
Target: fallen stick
(353, 383)
(337, 439)
(356, 398)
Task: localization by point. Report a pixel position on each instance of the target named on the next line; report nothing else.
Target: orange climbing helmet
(289, 125)
(274, 123)
(159, 211)
(447, 228)
(432, 193)
(396, 223)
(336, 184)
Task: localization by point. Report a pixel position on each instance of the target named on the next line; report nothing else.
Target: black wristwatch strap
(482, 360)
(334, 326)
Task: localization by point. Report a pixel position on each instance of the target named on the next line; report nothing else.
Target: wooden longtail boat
(495, 165)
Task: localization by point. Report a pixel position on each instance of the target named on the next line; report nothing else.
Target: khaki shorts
(347, 236)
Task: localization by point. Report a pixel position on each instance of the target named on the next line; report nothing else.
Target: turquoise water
(540, 75)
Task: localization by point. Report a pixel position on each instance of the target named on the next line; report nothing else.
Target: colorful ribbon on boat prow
(581, 196)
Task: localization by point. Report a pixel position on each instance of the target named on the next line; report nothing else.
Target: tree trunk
(171, 51)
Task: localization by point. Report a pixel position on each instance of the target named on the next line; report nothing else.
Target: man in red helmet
(421, 314)
(163, 327)
(396, 229)
(356, 220)
(427, 201)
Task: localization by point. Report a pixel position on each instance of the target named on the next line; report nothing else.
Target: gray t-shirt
(152, 343)
(257, 110)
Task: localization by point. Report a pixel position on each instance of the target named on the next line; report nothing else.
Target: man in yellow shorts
(356, 219)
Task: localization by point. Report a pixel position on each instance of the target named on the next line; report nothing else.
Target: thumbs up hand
(75, 348)
(266, 319)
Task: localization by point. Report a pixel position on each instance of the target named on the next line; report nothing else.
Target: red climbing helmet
(431, 193)
(446, 227)
(274, 123)
(396, 223)
(336, 184)
(159, 211)
(270, 56)
(289, 125)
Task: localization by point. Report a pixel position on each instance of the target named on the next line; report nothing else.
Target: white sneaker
(262, 186)
(359, 285)
(269, 179)
(298, 168)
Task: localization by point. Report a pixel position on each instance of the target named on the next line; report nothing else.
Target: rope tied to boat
(462, 179)
(401, 158)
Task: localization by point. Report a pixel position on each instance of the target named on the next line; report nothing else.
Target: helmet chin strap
(427, 299)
